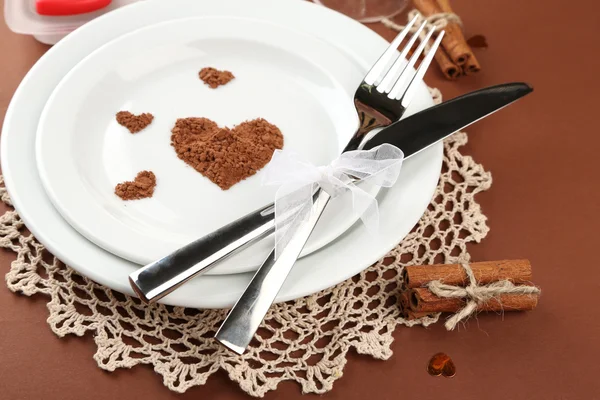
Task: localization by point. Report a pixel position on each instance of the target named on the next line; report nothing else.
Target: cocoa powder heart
(225, 156)
(134, 123)
(141, 187)
(478, 41)
(215, 78)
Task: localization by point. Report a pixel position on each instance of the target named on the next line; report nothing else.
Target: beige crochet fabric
(304, 340)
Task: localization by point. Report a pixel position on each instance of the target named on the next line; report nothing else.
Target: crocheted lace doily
(304, 340)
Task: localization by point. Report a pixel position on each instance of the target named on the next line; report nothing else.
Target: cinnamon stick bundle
(471, 66)
(453, 42)
(454, 56)
(516, 271)
(465, 289)
(421, 300)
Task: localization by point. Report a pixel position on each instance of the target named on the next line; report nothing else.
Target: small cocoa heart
(441, 364)
(478, 41)
(141, 187)
(134, 123)
(215, 78)
(225, 156)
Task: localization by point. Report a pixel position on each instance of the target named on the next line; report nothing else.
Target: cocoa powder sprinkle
(215, 78)
(225, 156)
(140, 188)
(134, 123)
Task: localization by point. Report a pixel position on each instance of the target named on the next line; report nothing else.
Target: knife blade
(412, 134)
(417, 134)
(423, 129)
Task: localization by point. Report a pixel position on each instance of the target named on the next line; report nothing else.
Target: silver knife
(156, 280)
(417, 133)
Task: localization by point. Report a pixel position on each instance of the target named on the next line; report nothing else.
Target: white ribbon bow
(298, 180)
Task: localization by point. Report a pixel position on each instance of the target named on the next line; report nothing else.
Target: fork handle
(247, 314)
(159, 278)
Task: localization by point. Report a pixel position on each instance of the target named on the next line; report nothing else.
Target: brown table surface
(543, 205)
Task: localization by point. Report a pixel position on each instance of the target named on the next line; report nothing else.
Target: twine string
(439, 21)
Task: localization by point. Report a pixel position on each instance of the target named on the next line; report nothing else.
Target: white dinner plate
(296, 81)
(400, 207)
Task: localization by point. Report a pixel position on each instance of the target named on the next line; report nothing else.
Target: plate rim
(224, 297)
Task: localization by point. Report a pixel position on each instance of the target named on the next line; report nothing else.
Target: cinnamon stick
(453, 42)
(471, 66)
(516, 271)
(449, 69)
(411, 315)
(405, 310)
(423, 301)
(404, 301)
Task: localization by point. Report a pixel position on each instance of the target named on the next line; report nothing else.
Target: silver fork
(380, 100)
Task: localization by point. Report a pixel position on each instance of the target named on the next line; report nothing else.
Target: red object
(69, 7)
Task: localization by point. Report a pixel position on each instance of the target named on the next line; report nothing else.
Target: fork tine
(399, 86)
(412, 86)
(374, 74)
(398, 68)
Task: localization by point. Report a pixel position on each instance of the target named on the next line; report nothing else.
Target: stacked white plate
(296, 64)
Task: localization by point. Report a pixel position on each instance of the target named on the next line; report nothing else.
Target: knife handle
(159, 278)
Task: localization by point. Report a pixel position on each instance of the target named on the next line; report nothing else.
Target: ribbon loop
(298, 180)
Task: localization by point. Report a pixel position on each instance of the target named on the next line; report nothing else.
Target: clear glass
(366, 10)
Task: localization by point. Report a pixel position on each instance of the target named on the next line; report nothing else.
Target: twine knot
(475, 294)
(439, 20)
